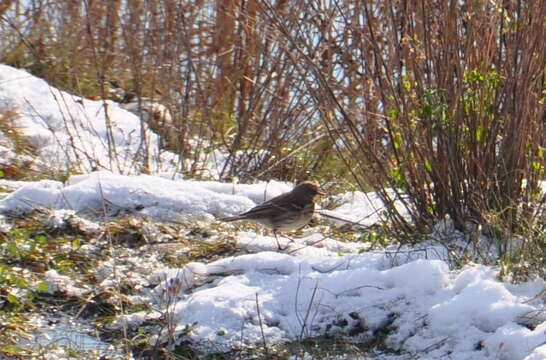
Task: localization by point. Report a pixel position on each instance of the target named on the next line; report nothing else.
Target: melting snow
(319, 285)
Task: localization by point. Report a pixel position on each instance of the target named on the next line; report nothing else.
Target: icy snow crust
(71, 132)
(151, 196)
(319, 285)
(435, 312)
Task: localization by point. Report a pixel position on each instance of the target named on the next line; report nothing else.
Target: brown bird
(288, 211)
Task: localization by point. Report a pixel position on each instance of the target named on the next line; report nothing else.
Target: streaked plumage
(288, 211)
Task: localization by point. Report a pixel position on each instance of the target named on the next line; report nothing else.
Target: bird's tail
(232, 218)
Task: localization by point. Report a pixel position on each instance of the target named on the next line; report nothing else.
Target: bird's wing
(271, 207)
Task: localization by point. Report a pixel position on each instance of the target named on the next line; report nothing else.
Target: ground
(116, 262)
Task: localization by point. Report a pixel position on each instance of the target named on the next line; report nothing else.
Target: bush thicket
(442, 101)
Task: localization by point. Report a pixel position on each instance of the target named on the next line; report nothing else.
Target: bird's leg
(279, 244)
(277, 240)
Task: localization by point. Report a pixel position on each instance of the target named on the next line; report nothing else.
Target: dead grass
(441, 102)
(434, 102)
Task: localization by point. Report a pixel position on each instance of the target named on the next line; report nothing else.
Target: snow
(148, 195)
(368, 212)
(61, 283)
(430, 304)
(71, 132)
(317, 285)
(538, 354)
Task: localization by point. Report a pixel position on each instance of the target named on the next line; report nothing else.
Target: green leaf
(76, 243)
(42, 286)
(397, 175)
(12, 249)
(426, 110)
(12, 350)
(2, 174)
(428, 166)
(490, 109)
(41, 239)
(12, 299)
(537, 167)
(479, 133)
(392, 114)
(21, 282)
(397, 140)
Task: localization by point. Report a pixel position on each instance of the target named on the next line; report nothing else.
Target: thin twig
(261, 325)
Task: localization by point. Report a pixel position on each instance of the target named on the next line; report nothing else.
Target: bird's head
(307, 189)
